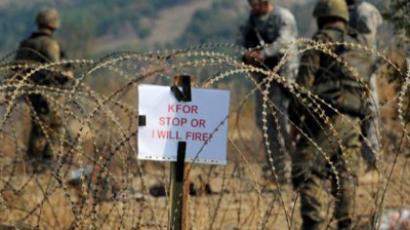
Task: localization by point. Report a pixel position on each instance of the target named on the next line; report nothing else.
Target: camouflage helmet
(331, 8)
(48, 18)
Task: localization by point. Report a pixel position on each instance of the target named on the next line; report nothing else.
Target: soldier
(366, 19)
(330, 154)
(271, 28)
(41, 47)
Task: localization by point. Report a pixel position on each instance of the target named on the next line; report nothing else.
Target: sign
(201, 123)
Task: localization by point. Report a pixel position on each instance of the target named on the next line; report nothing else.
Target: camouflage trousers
(45, 128)
(370, 128)
(339, 165)
(276, 124)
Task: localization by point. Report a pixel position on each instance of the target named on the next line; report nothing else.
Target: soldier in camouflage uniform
(329, 156)
(366, 19)
(271, 27)
(41, 47)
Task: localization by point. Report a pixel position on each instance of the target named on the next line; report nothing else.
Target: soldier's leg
(370, 127)
(311, 198)
(309, 184)
(345, 201)
(344, 190)
(55, 125)
(347, 165)
(258, 103)
(277, 132)
(266, 140)
(37, 142)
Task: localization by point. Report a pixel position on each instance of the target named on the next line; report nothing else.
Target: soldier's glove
(254, 58)
(69, 75)
(256, 55)
(65, 76)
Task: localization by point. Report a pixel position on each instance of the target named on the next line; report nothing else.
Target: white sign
(201, 123)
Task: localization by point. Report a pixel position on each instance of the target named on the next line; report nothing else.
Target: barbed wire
(95, 181)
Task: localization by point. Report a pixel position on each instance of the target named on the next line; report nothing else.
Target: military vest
(33, 48)
(344, 84)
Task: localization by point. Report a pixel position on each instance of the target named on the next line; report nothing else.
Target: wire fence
(93, 180)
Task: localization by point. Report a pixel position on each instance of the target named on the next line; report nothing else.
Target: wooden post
(179, 188)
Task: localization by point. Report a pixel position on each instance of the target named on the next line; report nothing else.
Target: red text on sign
(197, 136)
(198, 123)
(166, 135)
(180, 108)
(174, 121)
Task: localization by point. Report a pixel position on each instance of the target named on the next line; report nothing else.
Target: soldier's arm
(54, 54)
(250, 57)
(309, 65)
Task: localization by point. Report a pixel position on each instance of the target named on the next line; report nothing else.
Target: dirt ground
(241, 199)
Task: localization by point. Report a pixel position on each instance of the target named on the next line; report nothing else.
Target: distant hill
(84, 21)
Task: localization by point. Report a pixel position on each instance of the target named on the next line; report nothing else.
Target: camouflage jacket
(334, 83)
(365, 19)
(40, 47)
(275, 30)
